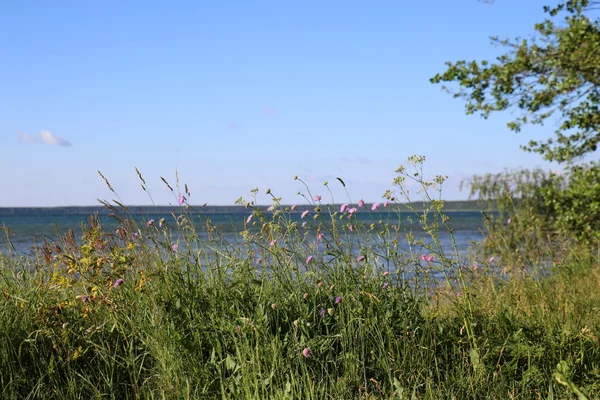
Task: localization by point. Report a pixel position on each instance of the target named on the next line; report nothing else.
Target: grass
(287, 313)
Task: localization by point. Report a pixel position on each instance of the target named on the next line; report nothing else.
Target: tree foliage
(554, 77)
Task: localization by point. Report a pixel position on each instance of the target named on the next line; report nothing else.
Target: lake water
(22, 231)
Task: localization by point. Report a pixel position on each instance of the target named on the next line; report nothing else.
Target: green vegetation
(552, 77)
(324, 308)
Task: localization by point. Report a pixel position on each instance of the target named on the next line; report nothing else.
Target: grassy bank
(326, 308)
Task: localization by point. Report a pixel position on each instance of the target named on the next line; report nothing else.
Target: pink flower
(491, 259)
(317, 198)
(293, 207)
(309, 259)
(344, 207)
(174, 247)
(304, 214)
(135, 235)
(249, 219)
(258, 260)
(427, 258)
(84, 298)
(352, 210)
(459, 294)
(375, 206)
(360, 258)
(118, 282)
(350, 228)
(322, 312)
(385, 285)
(181, 199)
(304, 224)
(307, 352)
(508, 221)
(338, 300)
(320, 237)
(475, 266)
(361, 203)
(149, 223)
(387, 203)
(272, 243)
(386, 273)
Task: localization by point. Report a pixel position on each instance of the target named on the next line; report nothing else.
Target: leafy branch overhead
(554, 75)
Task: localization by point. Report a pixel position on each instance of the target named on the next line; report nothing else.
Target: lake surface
(26, 229)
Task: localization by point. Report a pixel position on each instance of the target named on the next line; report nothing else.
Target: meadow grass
(319, 307)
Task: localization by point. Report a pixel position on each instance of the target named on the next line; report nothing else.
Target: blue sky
(238, 95)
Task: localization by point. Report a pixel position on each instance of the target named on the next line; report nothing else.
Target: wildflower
(174, 247)
(272, 243)
(308, 259)
(320, 236)
(304, 214)
(273, 306)
(427, 258)
(330, 311)
(387, 203)
(385, 285)
(338, 300)
(135, 235)
(293, 207)
(360, 258)
(84, 298)
(317, 198)
(491, 260)
(322, 312)
(271, 208)
(307, 352)
(118, 282)
(249, 219)
(508, 221)
(304, 224)
(459, 294)
(320, 284)
(161, 222)
(350, 228)
(305, 296)
(475, 266)
(375, 206)
(181, 199)
(386, 273)
(344, 207)
(361, 203)
(149, 223)
(352, 210)
(258, 260)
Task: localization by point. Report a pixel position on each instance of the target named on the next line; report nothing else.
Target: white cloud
(49, 138)
(25, 137)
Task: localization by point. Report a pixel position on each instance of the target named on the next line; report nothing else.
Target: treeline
(459, 205)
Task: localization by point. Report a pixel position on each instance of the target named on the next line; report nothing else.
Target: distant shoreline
(450, 206)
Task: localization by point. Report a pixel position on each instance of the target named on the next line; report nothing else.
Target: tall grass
(317, 307)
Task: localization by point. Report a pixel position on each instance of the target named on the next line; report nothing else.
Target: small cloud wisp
(51, 139)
